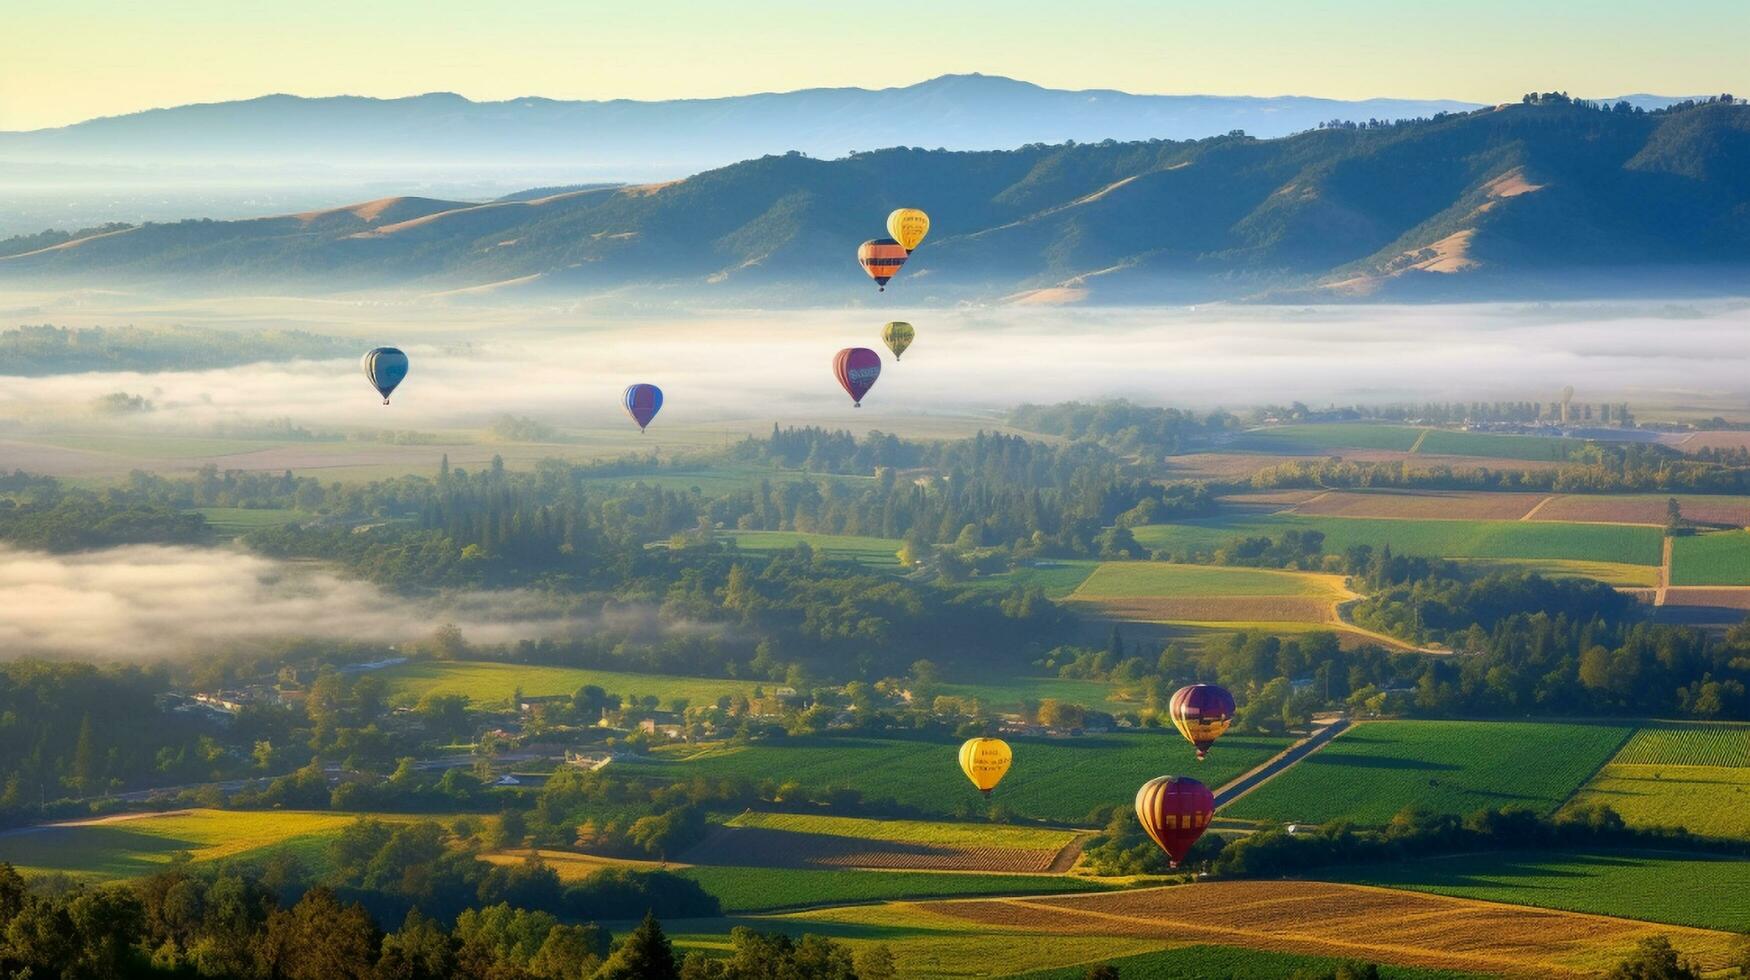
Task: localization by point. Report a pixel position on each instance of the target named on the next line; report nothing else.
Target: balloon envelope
(385, 367)
(908, 226)
(881, 259)
(1175, 810)
(984, 761)
(642, 402)
(897, 336)
(857, 368)
(1201, 713)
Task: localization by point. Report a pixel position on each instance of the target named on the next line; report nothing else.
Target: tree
(645, 955)
(420, 950)
(320, 939)
(875, 963)
(87, 773)
(1655, 959)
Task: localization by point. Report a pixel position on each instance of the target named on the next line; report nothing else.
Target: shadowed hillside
(1527, 199)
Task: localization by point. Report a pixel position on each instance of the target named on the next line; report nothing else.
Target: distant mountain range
(631, 140)
(1544, 199)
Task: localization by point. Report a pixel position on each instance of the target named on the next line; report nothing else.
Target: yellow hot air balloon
(908, 226)
(897, 336)
(985, 760)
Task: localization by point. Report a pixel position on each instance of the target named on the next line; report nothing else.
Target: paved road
(1296, 752)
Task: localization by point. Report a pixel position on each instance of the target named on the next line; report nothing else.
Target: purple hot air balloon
(857, 368)
(642, 402)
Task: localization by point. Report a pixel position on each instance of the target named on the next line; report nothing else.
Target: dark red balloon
(857, 368)
(1201, 712)
(1175, 810)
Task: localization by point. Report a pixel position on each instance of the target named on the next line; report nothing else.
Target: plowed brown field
(1645, 509)
(757, 846)
(1422, 504)
(1350, 921)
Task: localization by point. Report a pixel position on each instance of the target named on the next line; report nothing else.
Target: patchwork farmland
(1690, 775)
(1535, 540)
(815, 841)
(1162, 592)
(1376, 769)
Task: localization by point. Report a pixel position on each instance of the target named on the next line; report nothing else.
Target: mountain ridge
(1523, 199)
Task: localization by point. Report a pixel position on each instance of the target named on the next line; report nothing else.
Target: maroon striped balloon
(1175, 810)
(857, 368)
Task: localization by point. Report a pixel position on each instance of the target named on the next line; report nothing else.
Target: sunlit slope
(1513, 195)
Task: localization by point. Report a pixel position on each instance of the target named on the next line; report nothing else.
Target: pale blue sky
(61, 62)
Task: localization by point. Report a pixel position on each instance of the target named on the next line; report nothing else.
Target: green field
(911, 831)
(1680, 889)
(743, 890)
(1610, 573)
(1713, 801)
(1140, 579)
(1713, 558)
(1057, 577)
(1451, 442)
(1056, 780)
(1225, 963)
(869, 551)
(131, 846)
(1668, 774)
(1372, 771)
(1428, 538)
(495, 683)
(1322, 437)
(1677, 744)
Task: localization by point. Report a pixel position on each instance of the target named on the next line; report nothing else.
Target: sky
(64, 62)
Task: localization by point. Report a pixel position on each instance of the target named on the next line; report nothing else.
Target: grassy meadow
(743, 890)
(129, 846)
(495, 684)
(1375, 769)
(1060, 781)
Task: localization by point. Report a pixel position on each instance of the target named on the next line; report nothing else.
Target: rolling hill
(1539, 199)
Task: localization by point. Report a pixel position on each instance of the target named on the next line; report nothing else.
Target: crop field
(1058, 577)
(1057, 780)
(1694, 776)
(1620, 544)
(1234, 962)
(810, 841)
(1710, 800)
(1268, 500)
(572, 866)
(495, 683)
(1648, 508)
(1674, 744)
(132, 845)
(1681, 889)
(1712, 558)
(1161, 592)
(1450, 442)
(1370, 772)
(761, 889)
(1148, 579)
(1341, 920)
(1322, 437)
(1474, 505)
(1610, 573)
(937, 833)
(868, 551)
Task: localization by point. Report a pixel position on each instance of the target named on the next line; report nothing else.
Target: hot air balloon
(1201, 713)
(1175, 810)
(385, 367)
(908, 226)
(857, 368)
(642, 402)
(881, 259)
(984, 761)
(897, 336)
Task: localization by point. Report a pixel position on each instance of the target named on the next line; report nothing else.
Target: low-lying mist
(776, 366)
(150, 601)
